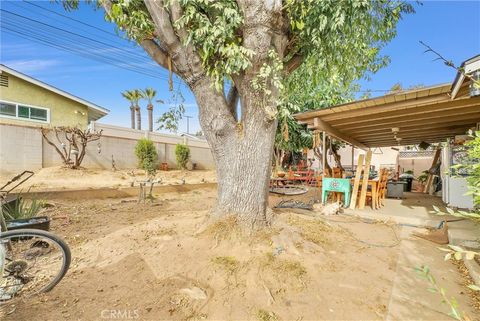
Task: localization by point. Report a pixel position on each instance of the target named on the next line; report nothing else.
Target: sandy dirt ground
(160, 261)
(60, 178)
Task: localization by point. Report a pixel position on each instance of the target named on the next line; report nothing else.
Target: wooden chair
(380, 189)
(382, 194)
(336, 172)
(326, 173)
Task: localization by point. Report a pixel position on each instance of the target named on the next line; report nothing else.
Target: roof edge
(403, 92)
(101, 110)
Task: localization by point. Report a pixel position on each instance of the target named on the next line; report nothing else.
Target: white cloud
(31, 65)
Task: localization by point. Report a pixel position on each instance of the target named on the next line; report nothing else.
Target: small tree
(147, 156)
(182, 154)
(70, 143)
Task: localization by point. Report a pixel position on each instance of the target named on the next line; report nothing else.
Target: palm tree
(149, 94)
(137, 95)
(128, 94)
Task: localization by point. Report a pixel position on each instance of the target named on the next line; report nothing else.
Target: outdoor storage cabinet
(395, 189)
(339, 185)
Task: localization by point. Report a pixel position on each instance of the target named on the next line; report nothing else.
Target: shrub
(182, 154)
(147, 155)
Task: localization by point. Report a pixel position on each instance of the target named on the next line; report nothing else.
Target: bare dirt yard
(161, 261)
(61, 178)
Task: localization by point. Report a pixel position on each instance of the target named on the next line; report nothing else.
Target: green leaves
(459, 213)
(149, 94)
(425, 273)
(147, 156)
(182, 155)
(212, 28)
(169, 120)
(132, 17)
(457, 252)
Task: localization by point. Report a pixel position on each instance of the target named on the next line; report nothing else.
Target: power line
(58, 46)
(74, 48)
(117, 59)
(137, 57)
(109, 36)
(34, 34)
(70, 18)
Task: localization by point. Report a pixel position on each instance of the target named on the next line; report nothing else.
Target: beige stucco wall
(385, 157)
(23, 148)
(417, 165)
(62, 109)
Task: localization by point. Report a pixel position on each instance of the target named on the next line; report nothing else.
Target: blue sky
(451, 27)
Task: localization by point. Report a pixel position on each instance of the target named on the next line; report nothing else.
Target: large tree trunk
(139, 118)
(241, 146)
(132, 116)
(150, 117)
(243, 155)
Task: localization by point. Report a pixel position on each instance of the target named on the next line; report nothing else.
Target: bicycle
(31, 261)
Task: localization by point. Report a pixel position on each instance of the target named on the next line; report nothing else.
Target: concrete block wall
(24, 148)
(20, 149)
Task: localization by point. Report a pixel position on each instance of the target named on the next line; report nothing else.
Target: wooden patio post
(324, 154)
(353, 156)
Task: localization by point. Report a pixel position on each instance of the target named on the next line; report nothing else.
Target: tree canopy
(277, 57)
(342, 37)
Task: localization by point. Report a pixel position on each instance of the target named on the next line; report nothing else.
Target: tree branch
(156, 52)
(293, 63)
(176, 12)
(163, 25)
(149, 45)
(188, 64)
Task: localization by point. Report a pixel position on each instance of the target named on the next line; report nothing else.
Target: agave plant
(23, 209)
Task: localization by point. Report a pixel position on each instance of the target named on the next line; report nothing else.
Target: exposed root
(225, 228)
(229, 228)
(249, 222)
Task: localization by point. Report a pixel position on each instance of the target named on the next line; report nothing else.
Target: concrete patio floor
(414, 211)
(409, 297)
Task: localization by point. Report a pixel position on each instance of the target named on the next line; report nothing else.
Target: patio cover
(430, 114)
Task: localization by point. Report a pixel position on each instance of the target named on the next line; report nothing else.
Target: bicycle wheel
(35, 261)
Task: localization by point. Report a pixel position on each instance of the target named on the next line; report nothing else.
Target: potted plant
(22, 214)
(422, 179)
